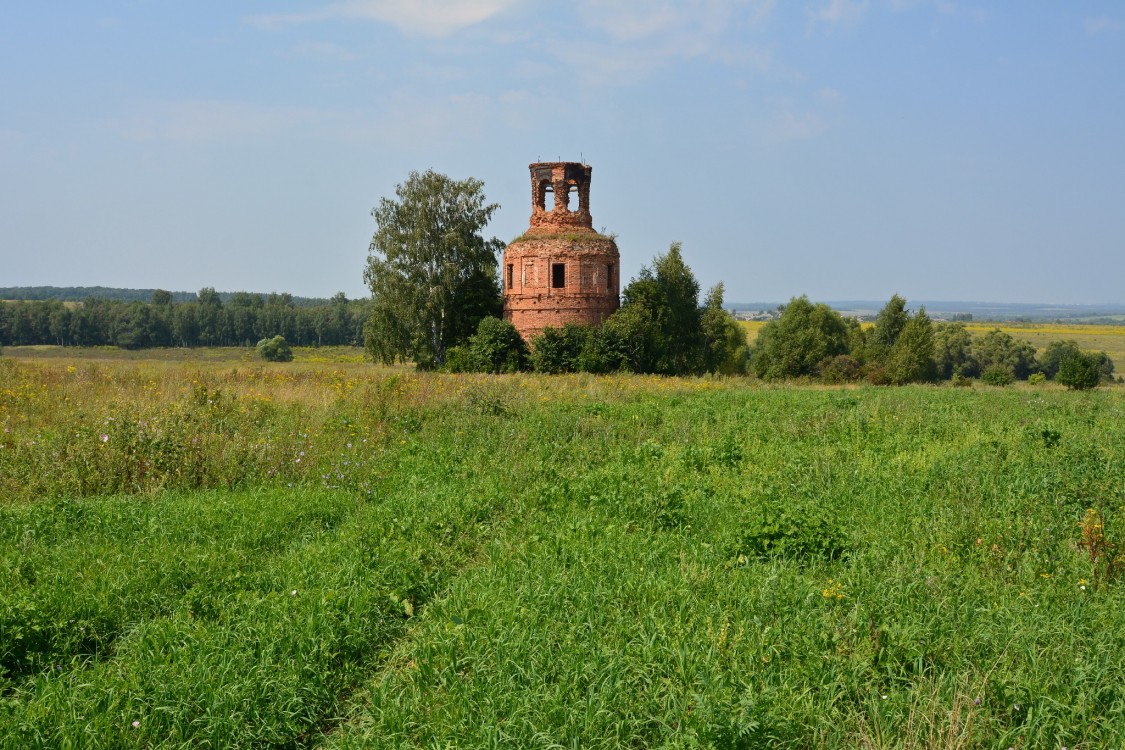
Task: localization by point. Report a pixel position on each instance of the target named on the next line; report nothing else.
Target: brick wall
(560, 271)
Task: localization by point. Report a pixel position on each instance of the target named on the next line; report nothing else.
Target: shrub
(556, 350)
(796, 532)
(636, 336)
(275, 350)
(999, 375)
(960, 381)
(1036, 378)
(462, 359)
(876, 374)
(795, 343)
(840, 369)
(602, 352)
(498, 347)
(1105, 365)
(1059, 351)
(999, 348)
(1079, 372)
(1054, 354)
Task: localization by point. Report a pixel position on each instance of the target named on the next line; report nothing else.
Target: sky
(843, 149)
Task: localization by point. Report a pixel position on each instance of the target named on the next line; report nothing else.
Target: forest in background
(211, 319)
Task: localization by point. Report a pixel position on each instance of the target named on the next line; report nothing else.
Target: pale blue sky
(847, 149)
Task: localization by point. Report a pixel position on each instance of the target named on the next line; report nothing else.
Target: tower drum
(560, 270)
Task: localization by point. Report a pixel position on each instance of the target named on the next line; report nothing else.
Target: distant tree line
(814, 341)
(121, 294)
(242, 320)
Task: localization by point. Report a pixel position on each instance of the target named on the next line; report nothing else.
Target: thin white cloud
(1104, 25)
(608, 64)
(645, 37)
(404, 120)
(188, 121)
(942, 8)
(421, 17)
(787, 126)
(324, 51)
(839, 13)
(628, 20)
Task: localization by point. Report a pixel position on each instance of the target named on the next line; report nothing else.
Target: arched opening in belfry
(544, 195)
(573, 199)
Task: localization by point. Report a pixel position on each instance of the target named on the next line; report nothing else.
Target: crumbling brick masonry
(560, 271)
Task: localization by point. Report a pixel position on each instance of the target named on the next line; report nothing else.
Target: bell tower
(560, 270)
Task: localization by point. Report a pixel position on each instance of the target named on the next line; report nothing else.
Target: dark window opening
(558, 275)
(609, 277)
(511, 275)
(573, 200)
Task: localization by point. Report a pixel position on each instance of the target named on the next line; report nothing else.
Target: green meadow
(214, 553)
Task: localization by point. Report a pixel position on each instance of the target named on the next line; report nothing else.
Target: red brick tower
(560, 270)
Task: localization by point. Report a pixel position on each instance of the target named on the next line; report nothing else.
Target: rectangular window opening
(609, 277)
(511, 275)
(558, 275)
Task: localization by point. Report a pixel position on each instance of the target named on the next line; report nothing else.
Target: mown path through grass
(628, 610)
(218, 639)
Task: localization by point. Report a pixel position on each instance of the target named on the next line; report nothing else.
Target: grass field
(333, 555)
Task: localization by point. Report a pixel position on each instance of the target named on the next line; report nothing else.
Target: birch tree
(432, 274)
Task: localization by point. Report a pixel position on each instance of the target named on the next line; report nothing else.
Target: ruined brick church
(560, 270)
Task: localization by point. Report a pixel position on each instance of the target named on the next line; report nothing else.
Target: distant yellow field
(752, 327)
(1108, 339)
(68, 304)
(1055, 330)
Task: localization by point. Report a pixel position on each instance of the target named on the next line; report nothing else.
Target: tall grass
(573, 562)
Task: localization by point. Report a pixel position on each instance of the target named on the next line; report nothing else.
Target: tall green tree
(331, 321)
(209, 313)
(669, 295)
(60, 323)
(185, 324)
(911, 359)
(635, 335)
(997, 348)
(724, 340)
(1054, 354)
(953, 351)
(889, 325)
(431, 272)
(901, 347)
(796, 343)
